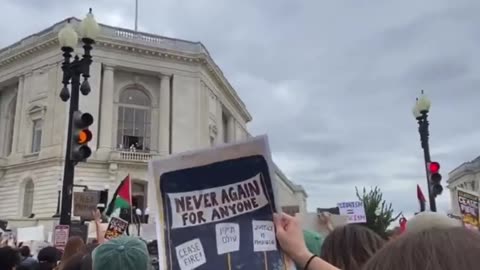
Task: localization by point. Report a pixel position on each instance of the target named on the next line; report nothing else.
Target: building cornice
(294, 187)
(470, 167)
(133, 42)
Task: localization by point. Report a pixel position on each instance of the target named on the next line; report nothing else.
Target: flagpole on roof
(136, 15)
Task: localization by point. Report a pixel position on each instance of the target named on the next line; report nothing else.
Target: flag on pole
(421, 199)
(122, 198)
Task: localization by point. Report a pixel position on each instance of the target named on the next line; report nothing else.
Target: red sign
(60, 236)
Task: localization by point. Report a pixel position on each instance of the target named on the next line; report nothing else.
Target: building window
(28, 198)
(10, 126)
(134, 121)
(37, 135)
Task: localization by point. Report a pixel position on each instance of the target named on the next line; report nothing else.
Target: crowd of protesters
(431, 241)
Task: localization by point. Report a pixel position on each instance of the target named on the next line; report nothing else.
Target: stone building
(465, 176)
(151, 96)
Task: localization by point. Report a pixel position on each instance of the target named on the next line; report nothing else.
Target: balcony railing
(135, 156)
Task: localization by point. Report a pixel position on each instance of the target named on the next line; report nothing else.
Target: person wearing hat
(126, 253)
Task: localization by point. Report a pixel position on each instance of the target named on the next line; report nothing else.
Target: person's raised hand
(290, 237)
(97, 216)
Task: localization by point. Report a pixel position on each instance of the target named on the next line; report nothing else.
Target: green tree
(379, 213)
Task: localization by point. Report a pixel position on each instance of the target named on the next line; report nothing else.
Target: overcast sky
(331, 82)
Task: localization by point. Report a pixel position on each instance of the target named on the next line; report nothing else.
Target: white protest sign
(263, 236)
(30, 234)
(216, 204)
(148, 232)
(228, 237)
(190, 255)
(355, 211)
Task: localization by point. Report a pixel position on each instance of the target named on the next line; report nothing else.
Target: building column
(164, 127)
(106, 109)
(219, 122)
(231, 129)
(18, 115)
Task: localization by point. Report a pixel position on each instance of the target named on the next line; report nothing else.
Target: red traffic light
(434, 167)
(84, 136)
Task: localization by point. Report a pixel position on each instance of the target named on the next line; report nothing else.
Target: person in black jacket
(9, 258)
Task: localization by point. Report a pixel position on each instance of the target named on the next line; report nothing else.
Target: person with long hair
(349, 247)
(74, 246)
(432, 249)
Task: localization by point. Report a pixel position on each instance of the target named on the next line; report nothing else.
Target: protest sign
(116, 228)
(214, 209)
(355, 211)
(85, 204)
(263, 236)
(468, 204)
(60, 236)
(26, 234)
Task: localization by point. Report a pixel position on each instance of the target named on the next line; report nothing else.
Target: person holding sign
(290, 237)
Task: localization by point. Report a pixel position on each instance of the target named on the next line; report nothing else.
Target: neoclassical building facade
(151, 96)
(465, 176)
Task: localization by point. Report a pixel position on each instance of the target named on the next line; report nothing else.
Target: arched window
(28, 198)
(134, 120)
(10, 126)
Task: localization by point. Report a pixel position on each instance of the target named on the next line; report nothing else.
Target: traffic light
(435, 178)
(81, 135)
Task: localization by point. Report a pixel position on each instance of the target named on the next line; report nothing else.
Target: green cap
(126, 253)
(314, 241)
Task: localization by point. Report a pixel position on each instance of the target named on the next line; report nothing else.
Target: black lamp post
(72, 71)
(420, 111)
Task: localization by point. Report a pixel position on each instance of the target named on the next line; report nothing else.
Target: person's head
(48, 258)
(126, 253)
(9, 258)
(429, 220)
(433, 249)
(349, 247)
(25, 251)
(74, 245)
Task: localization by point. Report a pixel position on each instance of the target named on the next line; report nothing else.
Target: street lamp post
(72, 70)
(420, 111)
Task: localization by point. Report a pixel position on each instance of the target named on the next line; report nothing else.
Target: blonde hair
(431, 249)
(429, 220)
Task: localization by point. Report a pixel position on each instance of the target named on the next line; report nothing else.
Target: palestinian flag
(122, 199)
(421, 199)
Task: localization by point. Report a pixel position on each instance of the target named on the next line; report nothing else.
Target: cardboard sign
(355, 211)
(85, 203)
(60, 236)
(206, 202)
(264, 236)
(228, 237)
(190, 254)
(116, 228)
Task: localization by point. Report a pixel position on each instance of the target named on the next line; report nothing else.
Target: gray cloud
(332, 83)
